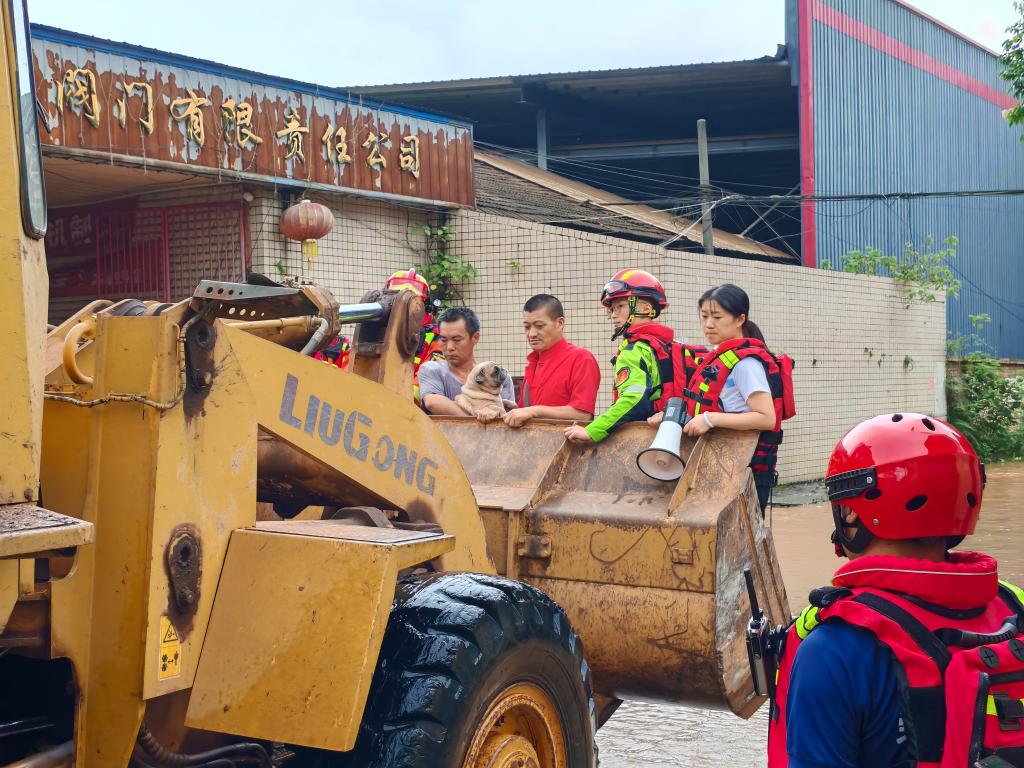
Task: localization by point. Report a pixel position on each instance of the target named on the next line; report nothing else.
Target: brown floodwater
(648, 735)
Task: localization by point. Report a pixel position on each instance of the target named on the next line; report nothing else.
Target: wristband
(708, 421)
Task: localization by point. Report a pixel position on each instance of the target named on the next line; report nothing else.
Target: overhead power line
(737, 197)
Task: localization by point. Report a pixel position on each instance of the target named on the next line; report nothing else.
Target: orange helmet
(408, 280)
(636, 283)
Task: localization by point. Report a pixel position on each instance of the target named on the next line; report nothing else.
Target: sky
(347, 43)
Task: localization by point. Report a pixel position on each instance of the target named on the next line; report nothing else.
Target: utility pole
(705, 187)
(543, 138)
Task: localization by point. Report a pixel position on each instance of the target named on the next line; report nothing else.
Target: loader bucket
(649, 572)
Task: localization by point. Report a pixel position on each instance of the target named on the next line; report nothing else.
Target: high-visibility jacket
(430, 349)
(675, 362)
(637, 381)
(430, 346)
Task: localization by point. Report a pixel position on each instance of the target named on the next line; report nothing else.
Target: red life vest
(704, 388)
(430, 349)
(955, 632)
(336, 353)
(692, 372)
(676, 362)
(430, 346)
(708, 382)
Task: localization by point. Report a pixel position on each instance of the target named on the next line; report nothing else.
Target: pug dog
(482, 390)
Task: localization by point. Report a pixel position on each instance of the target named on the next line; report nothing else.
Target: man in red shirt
(561, 379)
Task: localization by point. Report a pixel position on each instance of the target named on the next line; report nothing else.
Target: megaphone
(662, 460)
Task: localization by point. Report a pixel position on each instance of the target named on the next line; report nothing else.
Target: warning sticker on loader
(170, 650)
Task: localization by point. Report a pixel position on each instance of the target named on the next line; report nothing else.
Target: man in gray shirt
(441, 380)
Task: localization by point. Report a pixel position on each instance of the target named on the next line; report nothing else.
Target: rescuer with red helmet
(633, 299)
(914, 655)
(634, 286)
(430, 346)
(337, 353)
(408, 279)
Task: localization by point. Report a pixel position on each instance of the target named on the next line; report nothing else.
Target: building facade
(881, 112)
(893, 101)
(163, 170)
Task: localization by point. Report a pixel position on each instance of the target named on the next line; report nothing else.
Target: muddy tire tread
(465, 620)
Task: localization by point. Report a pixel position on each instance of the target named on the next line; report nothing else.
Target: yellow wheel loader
(415, 592)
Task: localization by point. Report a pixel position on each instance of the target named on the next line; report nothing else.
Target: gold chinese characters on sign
(146, 90)
(78, 91)
(190, 109)
(293, 130)
(409, 155)
(237, 121)
(376, 143)
(335, 143)
(134, 101)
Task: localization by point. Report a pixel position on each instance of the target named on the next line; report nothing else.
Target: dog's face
(489, 377)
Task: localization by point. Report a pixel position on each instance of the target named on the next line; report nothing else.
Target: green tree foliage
(970, 345)
(1013, 65)
(987, 407)
(922, 274)
(982, 403)
(444, 271)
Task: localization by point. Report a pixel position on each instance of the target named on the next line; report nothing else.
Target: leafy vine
(445, 272)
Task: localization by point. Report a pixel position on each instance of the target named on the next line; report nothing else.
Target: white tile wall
(825, 320)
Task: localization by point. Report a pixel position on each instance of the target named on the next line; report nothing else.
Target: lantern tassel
(309, 250)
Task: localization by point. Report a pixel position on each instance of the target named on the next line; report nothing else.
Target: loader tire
(478, 671)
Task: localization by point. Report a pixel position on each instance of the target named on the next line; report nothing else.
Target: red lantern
(307, 222)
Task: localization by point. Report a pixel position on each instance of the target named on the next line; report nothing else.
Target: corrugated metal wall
(883, 125)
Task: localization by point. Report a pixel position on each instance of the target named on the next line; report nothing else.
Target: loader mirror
(33, 192)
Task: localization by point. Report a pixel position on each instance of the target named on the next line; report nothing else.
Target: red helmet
(635, 282)
(907, 476)
(408, 280)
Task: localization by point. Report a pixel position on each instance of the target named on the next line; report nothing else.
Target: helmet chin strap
(857, 543)
(621, 329)
(860, 540)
